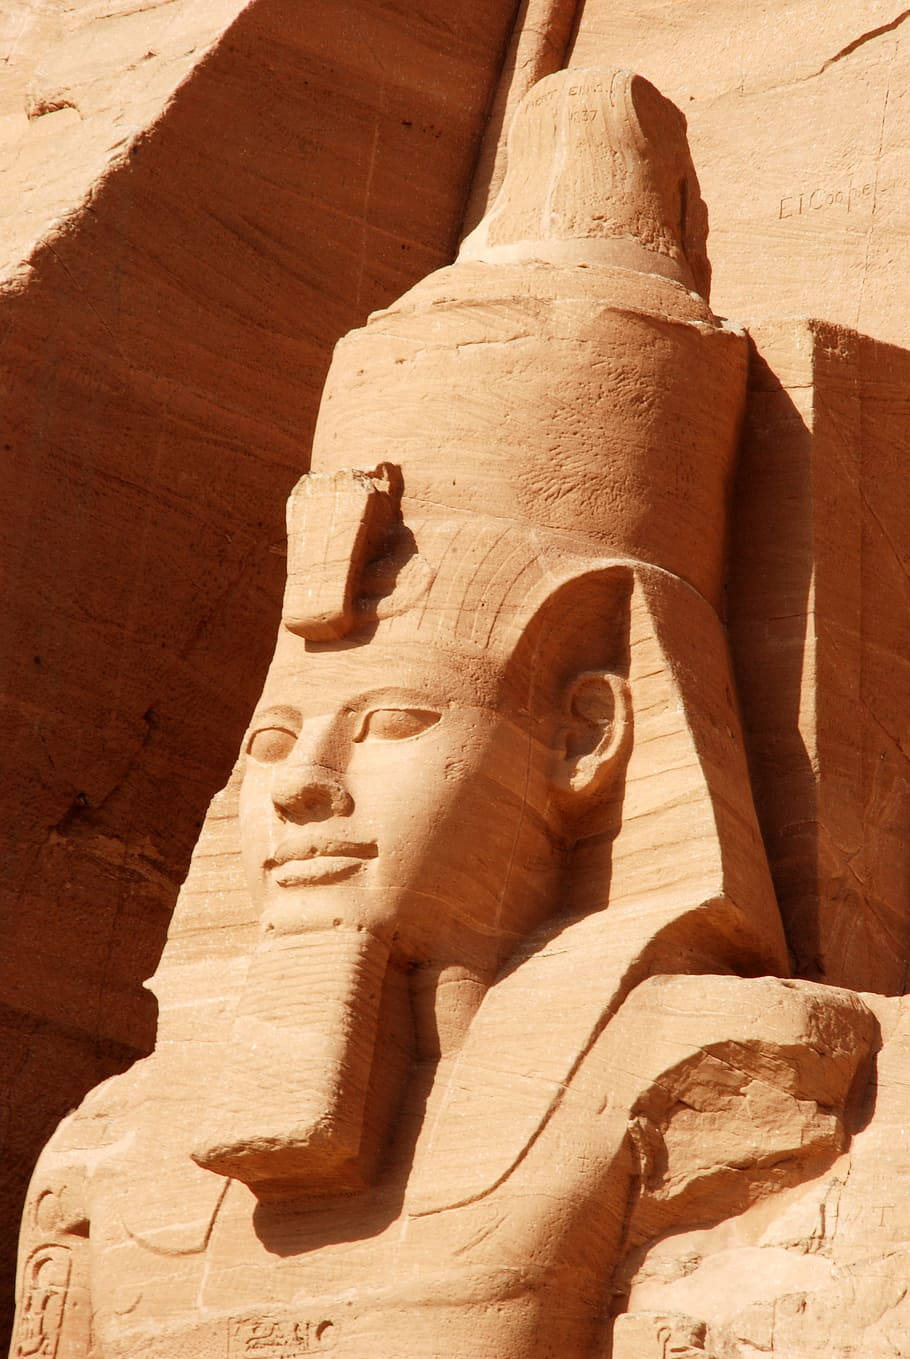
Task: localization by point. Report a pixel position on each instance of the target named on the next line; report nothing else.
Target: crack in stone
(862, 40)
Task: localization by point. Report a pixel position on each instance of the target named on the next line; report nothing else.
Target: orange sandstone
(476, 995)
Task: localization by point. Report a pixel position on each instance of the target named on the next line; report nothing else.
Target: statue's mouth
(299, 865)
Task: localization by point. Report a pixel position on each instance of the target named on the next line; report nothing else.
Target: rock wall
(201, 200)
(201, 204)
(797, 117)
(818, 616)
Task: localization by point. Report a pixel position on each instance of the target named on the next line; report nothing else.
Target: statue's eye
(268, 745)
(396, 724)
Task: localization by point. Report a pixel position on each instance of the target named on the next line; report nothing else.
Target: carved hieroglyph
(463, 1002)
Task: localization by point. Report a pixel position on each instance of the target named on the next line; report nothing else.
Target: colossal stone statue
(484, 1011)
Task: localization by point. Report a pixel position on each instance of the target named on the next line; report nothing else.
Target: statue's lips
(301, 865)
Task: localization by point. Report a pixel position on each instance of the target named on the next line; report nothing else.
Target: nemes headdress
(557, 409)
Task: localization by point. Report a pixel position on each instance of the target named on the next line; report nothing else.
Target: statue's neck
(445, 1000)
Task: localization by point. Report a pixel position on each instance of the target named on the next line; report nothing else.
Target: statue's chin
(295, 1107)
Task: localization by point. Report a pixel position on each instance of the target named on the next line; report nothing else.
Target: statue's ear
(595, 737)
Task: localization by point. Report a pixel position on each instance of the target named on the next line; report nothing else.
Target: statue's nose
(309, 792)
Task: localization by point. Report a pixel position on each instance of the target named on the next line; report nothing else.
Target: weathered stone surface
(819, 619)
(415, 1091)
(451, 1024)
(820, 1270)
(798, 115)
(174, 1260)
(79, 83)
(185, 260)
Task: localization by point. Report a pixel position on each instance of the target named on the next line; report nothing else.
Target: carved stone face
(398, 789)
(405, 801)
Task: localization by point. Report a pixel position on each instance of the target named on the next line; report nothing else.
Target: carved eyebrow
(279, 714)
(395, 698)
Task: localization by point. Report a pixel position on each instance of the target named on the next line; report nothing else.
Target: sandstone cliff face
(79, 82)
(201, 198)
(797, 119)
(201, 201)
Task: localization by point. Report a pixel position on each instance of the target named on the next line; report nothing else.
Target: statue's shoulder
(53, 1306)
(106, 1104)
(87, 1137)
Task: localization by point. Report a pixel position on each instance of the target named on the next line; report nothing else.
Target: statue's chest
(221, 1279)
(280, 1285)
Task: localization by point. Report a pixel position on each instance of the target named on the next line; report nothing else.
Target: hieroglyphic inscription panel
(263, 1337)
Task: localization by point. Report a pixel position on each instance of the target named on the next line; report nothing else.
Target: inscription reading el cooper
(278, 1338)
(848, 197)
